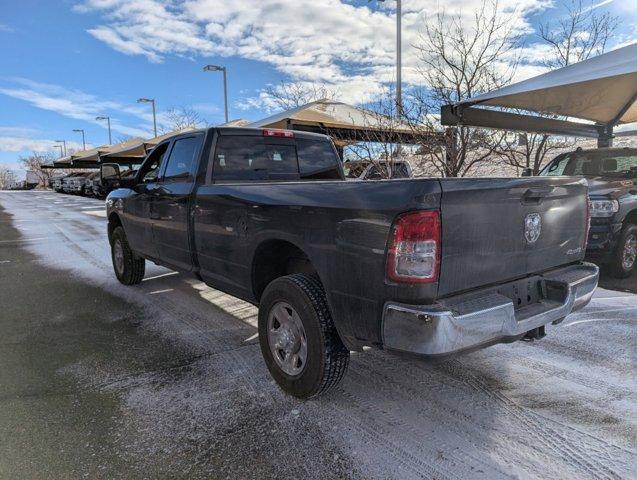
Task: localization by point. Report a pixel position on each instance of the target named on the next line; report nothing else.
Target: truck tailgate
(497, 230)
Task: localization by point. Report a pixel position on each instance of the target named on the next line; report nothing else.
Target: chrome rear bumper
(485, 317)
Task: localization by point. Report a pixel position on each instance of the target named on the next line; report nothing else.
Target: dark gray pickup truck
(425, 266)
(612, 181)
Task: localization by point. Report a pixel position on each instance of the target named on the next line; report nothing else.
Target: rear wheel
(129, 267)
(625, 255)
(299, 342)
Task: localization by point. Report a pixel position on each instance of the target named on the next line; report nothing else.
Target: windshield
(595, 164)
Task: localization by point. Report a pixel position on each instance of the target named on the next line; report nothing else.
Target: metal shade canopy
(602, 90)
(91, 158)
(136, 149)
(344, 123)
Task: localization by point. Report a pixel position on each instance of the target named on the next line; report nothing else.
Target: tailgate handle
(535, 195)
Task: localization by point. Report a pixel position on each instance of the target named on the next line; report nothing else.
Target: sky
(64, 62)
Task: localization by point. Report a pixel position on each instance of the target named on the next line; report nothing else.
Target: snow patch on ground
(563, 407)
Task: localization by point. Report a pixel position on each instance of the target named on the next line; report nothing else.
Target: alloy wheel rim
(287, 339)
(630, 252)
(118, 256)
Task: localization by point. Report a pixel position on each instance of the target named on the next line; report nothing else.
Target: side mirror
(109, 175)
(527, 172)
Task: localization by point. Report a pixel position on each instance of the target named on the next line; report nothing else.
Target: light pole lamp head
(79, 130)
(145, 100)
(101, 118)
(213, 68)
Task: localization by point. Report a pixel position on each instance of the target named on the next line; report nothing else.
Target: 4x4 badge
(532, 227)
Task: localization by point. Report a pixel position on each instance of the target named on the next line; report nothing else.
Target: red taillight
(278, 133)
(414, 248)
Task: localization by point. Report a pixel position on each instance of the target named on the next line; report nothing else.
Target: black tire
(618, 266)
(131, 269)
(327, 357)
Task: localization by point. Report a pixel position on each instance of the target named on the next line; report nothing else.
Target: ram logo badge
(532, 227)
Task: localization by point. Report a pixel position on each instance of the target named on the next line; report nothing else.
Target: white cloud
(333, 42)
(75, 104)
(25, 144)
(6, 28)
(16, 131)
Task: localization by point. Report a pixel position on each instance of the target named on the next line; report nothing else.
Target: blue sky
(65, 62)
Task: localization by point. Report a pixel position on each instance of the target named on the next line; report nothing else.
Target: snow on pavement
(563, 407)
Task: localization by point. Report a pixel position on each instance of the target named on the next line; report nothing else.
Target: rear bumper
(486, 317)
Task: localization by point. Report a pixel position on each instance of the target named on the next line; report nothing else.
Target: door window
(557, 167)
(151, 167)
(182, 160)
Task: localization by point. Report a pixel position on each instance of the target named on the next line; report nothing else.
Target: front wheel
(299, 342)
(625, 254)
(129, 267)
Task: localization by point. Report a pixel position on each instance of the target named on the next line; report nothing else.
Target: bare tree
(123, 138)
(386, 137)
(35, 162)
(288, 95)
(180, 118)
(530, 150)
(582, 33)
(7, 178)
(376, 125)
(459, 60)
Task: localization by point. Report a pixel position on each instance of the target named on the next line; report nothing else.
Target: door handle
(535, 195)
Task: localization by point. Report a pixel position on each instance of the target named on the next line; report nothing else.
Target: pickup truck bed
(426, 266)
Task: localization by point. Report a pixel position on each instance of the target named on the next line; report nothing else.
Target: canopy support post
(605, 138)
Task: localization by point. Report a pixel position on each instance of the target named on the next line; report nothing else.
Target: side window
(254, 158)
(182, 159)
(624, 164)
(400, 170)
(374, 172)
(318, 160)
(557, 168)
(151, 169)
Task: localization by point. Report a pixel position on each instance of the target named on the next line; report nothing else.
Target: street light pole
(63, 142)
(399, 58)
(218, 68)
(151, 101)
(108, 119)
(83, 137)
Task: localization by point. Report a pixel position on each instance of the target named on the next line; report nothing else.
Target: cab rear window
(252, 158)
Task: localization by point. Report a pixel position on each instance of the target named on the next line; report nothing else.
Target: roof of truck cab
(614, 150)
(253, 131)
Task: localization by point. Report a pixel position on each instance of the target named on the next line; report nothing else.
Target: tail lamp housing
(413, 255)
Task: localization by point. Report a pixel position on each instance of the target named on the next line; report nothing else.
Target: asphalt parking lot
(166, 380)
